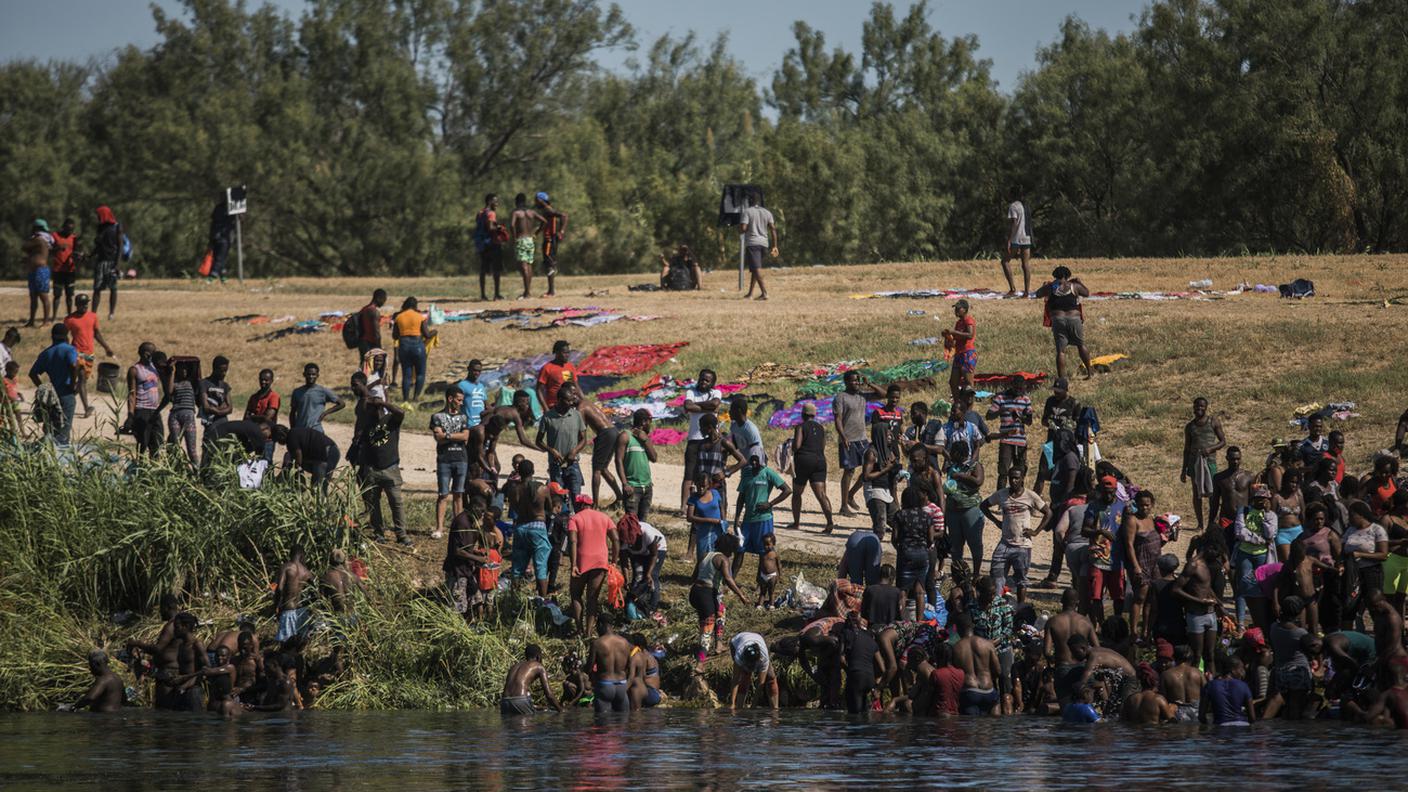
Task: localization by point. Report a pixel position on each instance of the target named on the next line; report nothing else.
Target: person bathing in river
(517, 698)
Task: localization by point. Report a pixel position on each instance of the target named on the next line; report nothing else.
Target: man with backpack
(362, 331)
(489, 238)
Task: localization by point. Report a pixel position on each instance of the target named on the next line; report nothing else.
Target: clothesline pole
(742, 241)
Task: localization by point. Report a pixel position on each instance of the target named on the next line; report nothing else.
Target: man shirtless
(106, 693)
(1202, 439)
(288, 596)
(1388, 628)
(1108, 667)
(603, 444)
(483, 441)
(1148, 706)
(610, 660)
(249, 665)
(517, 698)
(525, 224)
(220, 682)
(178, 656)
(532, 503)
(1391, 707)
(1194, 587)
(981, 668)
(1231, 489)
(1059, 629)
(1182, 684)
(337, 584)
(280, 695)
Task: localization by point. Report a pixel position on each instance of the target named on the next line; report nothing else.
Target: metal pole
(742, 247)
(239, 251)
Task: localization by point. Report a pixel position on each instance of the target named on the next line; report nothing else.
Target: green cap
(41, 225)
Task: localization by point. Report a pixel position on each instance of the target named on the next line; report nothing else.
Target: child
(576, 685)
(769, 570)
(960, 340)
(1013, 409)
(12, 385)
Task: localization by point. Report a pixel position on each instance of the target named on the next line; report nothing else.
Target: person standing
(593, 543)
(411, 329)
(378, 459)
(962, 342)
(489, 238)
(476, 394)
(1065, 317)
(562, 434)
(809, 466)
(700, 399)
(1013, 409)
(36, 253)
(554, 225)
(1019, 243)
(213, 394)
(451, 430)
(1202, 439)
(64, 264)
(753, 512)
(59, 362)
(107, 250)
(759, 237)
(555, 373)
(222, 230)
(309, 404)
(369, 325)
(634, 455)
(525, 224)
(849, 422)
(743, 432)
(144, 399)
(83, 330)
(1014, 550)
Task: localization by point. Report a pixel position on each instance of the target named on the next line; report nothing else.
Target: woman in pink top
(592, 543)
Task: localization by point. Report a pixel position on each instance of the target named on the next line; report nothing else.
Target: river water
(410, 751)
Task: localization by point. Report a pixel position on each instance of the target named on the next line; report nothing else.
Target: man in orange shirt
(65, 268)
(83, 331)
(554, 373)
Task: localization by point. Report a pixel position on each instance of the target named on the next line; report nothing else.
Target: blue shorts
(291, 623)
(966, 361)
(449, 477)
(39, 281)
(652, 697)
(530, 543)
(753, 533)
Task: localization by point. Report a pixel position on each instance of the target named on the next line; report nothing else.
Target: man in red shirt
(554, 224)
(554, 373)
(65, 268)
(263, 406)
(83, 331)
(592, 544)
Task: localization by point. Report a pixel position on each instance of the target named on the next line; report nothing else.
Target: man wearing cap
(36, 253)
(554, 224)
(592, 544)
(83, 332)
(1104, 514)
(1254, 528)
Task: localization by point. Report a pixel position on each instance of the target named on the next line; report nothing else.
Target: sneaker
(436, 535)
(405, 541)
(380, 539)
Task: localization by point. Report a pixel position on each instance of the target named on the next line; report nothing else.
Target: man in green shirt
(756, 483)
(634, 453)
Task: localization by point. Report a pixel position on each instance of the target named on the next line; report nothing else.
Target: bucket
(107, 377)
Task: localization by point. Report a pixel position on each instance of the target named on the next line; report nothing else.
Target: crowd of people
(1312, 558)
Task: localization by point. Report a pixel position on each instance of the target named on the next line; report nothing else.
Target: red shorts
(1106, 581)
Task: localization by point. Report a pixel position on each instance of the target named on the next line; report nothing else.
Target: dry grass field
(1256, 356)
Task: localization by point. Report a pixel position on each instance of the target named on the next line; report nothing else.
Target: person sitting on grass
(517, 698)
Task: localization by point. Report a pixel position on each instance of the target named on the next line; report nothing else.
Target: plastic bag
(805, 596)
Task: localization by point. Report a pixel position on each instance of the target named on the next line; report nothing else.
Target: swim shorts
(852, 454)
(604, 448)
(291, 623)
(530, 543)
(753, 532)
(977, 702)
(753, 257)
(611, 696)
(39, 280)
(516, 705)
(523, 249)
(1199, 623)
(966, 361)
(105, 275)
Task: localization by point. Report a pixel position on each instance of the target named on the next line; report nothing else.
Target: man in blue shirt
(310, 402)
(476, 395)
(60, 364)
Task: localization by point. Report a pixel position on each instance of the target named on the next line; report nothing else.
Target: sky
(1009, 31)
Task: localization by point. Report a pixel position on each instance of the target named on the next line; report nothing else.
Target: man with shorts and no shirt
(981, 669)
(849, 422)
(517, 697)
(525, 224)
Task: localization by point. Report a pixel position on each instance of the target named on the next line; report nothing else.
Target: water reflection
(412, 751)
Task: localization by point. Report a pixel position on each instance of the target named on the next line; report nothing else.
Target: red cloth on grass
(628, 359)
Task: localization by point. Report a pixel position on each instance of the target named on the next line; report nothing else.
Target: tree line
(368, 131)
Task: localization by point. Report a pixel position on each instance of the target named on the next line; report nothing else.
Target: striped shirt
(1012, 414)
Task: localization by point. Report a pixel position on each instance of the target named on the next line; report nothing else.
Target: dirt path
(418, 472)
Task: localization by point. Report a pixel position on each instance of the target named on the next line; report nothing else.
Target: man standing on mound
(526, 223)
(760, 235)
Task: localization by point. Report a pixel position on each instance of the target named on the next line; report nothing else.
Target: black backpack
(352, 330)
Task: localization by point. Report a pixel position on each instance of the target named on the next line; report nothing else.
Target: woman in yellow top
(411, 329)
